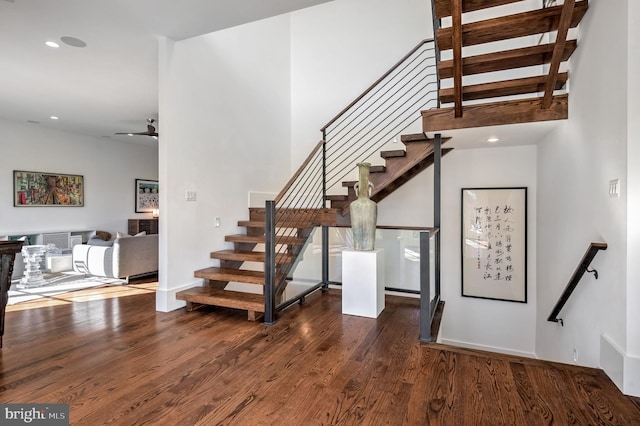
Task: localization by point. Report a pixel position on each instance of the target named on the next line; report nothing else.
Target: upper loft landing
(501, 67)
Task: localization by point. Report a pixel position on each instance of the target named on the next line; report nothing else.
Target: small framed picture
(146, 195)
(494, 243)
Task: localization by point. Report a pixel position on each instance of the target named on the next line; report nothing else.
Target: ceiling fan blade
(138, 134)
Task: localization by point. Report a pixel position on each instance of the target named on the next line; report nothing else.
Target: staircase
(294, 229)
(359, 131)
(478, 105)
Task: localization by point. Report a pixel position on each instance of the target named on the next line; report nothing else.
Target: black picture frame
(147, 193)
(494, 243)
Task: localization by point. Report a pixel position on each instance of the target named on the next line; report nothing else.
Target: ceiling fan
(151, 130)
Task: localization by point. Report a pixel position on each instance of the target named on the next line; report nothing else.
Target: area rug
(57, 284)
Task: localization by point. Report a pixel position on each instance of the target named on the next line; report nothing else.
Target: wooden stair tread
(224, 298)
(249, 256)
(496, 114)
(240, 255)
(393, 153)
(443, 7)
(419, 138)
(377, 169)
(227, 274)
(257, 239)
(415, 137)
(311, 217)
(506, 59)
(496, 89)
(510, 26)
(339, 197)
(282, 224)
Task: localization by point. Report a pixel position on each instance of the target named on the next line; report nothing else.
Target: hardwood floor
(117, 361)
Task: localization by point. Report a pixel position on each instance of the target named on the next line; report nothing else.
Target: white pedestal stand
(363, 282)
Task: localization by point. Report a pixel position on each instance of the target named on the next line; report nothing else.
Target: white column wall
(632, 370)
(575, 165)
(225, 97)
(109, 167)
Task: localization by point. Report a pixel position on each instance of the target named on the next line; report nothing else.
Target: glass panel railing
(401, 255)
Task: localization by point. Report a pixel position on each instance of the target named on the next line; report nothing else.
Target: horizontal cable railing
(381, 113)
(583, 267)
(373, 119)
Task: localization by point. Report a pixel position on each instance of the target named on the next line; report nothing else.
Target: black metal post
(436, 26)
(437, 205)
(269, 263)
(425, 289)
(325, 229)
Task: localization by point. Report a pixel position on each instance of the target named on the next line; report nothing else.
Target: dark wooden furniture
(8, 250)
(139, 225)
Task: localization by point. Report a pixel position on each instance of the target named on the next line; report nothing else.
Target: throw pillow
(140, 234)
(122, 235)
(103, 235)
(97, 241)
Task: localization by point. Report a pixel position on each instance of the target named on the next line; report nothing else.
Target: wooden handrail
(297, 173)
(370, 88)
(575, 279)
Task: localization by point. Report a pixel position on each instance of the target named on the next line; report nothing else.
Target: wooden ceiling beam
(496, 114)
(518, 86)
(558, 49)
(507, 59)
(456, 41)
(510, 26)
(443, 7)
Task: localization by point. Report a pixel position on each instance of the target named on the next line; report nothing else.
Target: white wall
(575, 164)
(109, 169)
(338, 49)
(500, 326)
(226, 122)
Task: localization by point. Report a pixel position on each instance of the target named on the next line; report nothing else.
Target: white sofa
(129, 256)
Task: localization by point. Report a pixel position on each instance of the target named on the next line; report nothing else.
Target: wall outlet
(575, 355)
(217, 222)
(190, 195)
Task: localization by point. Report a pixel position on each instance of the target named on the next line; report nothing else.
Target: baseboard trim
(166, 298)
(486, 348)
(622, 369)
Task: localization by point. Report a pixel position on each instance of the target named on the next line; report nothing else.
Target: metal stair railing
(381, 113)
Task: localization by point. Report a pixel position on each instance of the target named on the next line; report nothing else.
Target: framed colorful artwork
(39, 189)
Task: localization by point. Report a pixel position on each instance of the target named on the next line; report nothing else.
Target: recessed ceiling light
(493, 140)
(53, 117)
(72, 41)
(129, 134)
(52, 44)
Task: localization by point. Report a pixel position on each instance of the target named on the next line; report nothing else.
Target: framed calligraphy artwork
(494, 243)
(47, 189)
